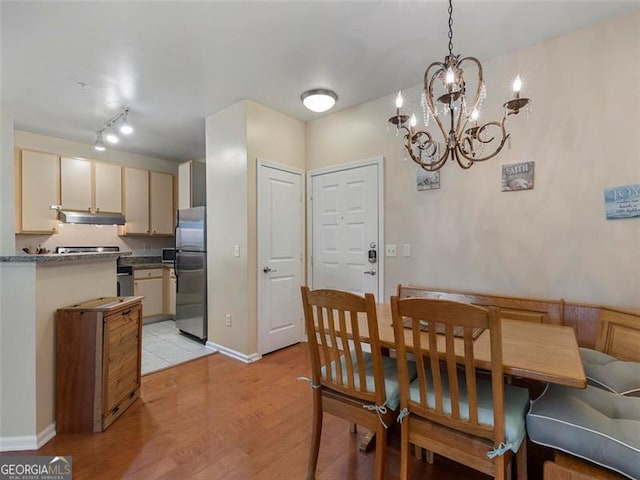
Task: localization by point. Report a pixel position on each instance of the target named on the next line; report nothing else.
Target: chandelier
(464, 139)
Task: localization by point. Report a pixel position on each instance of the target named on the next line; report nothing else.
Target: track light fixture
(109, 131)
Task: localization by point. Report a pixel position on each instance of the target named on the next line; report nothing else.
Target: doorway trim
(260, 162)
(379, 162)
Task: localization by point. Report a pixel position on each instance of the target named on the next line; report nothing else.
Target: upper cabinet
(39, 180)
(108, 187)
(148, 203)
(161, 203)
(91, 186)
(192, 191)
(75, 176)
(136, 202)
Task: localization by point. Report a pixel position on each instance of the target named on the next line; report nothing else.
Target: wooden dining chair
(448, 409)
(347, 381)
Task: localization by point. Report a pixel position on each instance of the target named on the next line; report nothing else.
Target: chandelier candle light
(465, 140)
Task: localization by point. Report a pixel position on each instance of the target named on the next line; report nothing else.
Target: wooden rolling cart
(98, 362)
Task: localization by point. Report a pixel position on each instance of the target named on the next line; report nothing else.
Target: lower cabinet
(148, 283)
(98, 359)
(170, 292)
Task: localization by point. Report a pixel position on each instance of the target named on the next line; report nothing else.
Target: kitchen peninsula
(33, 287)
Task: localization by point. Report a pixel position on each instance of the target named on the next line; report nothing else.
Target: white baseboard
(254, 357)
(28, 442)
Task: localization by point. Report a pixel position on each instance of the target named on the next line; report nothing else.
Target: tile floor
(164, 346)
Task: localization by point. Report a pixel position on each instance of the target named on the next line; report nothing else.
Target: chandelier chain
(451, 27)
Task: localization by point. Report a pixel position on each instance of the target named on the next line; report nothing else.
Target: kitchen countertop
(142, 262)
(63, 257)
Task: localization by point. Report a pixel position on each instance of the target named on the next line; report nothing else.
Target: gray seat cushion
(516, 401)
(593, 424)
(390, 369)
(609, 373)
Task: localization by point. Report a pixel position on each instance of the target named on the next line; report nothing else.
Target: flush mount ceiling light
(109, 129)
(463, 139)
(319, 99)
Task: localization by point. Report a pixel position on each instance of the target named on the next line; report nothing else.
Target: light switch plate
(391, 251)
(406, 250)
(236, 251)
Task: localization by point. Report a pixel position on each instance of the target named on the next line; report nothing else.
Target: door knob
(370, 272)
(268, 270)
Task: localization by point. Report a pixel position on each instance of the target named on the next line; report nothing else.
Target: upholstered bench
(593, 424)
(609, 373)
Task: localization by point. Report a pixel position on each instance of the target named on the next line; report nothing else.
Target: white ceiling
(177, 62)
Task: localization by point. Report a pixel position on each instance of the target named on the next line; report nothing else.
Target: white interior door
(280, 244)
(345, 229)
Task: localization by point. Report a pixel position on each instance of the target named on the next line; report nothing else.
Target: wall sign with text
(517, 176)
(622, 202)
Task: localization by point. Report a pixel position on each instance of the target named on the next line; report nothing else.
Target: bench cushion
(592, 424)
(609, 373)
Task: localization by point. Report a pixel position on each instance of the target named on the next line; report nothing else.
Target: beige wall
(90, 234)
(7, 192)
(274, 137)
(60, 146)
(31, 294)
(553, 241)
(17, 351)
(226, 146)
(97, 235)
(236, 138)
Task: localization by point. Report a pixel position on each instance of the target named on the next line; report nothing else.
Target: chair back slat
(470, 375)
(336, 349)
(434, 361)
(344, 340)
(449, 334)
(336, 323)
(452, 371)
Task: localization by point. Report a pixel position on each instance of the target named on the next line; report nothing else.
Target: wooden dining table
(537, 351)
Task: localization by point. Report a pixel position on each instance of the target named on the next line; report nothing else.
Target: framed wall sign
(517, 176)
(622, 202)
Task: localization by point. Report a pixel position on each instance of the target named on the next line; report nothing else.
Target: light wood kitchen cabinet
(136, 201)
(148, 283)
(161, 203)
(39, 175)
(90, 186)
(75, 184)
(98, 360)
(169, 291)
(148, 203)
(108, 187)
(192, 190)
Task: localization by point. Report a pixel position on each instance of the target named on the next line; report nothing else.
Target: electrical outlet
(236, 250)
(227, 319)
(391, 251)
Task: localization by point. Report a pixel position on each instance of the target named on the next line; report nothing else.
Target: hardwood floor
(217, 418)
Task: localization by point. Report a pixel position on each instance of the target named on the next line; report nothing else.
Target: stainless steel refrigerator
(190, 266)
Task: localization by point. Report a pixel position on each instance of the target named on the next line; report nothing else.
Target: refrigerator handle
(175, 252)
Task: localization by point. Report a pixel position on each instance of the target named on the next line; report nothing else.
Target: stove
(86, 249)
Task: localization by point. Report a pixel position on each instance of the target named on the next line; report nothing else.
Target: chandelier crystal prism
(445, 102)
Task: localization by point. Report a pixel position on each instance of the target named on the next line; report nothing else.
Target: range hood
(88, 218)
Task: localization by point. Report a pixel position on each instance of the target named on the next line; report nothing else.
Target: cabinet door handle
(115, 409)
(126, 312)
